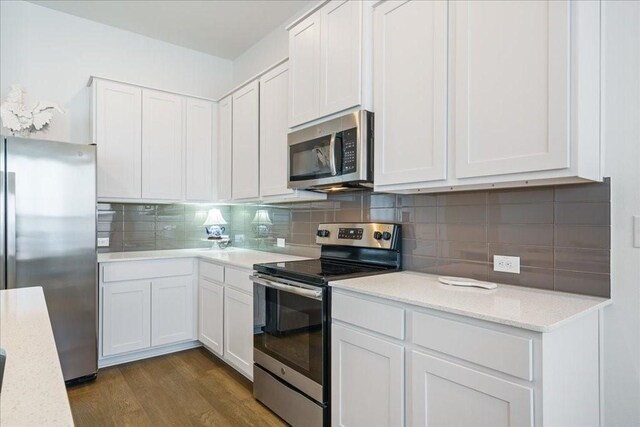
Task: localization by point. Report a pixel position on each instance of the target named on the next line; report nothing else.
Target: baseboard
(145, 354)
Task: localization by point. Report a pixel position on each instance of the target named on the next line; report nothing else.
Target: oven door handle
(307, 293)
(332, 155)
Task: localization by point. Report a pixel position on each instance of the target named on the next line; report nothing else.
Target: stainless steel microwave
(333, 155)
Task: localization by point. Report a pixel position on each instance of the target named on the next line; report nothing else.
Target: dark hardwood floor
(191, 387)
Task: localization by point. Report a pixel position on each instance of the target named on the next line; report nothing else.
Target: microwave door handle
(332, 155)
(307, 293)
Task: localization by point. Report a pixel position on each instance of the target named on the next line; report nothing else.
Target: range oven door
(290, 333)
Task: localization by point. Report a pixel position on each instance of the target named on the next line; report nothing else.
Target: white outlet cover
(103, 242)
(281, 242)
(239, 238)
(506, 264)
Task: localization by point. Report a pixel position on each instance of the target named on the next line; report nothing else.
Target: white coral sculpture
(22, 120)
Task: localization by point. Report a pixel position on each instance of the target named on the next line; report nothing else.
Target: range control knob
(386, 236)
(322, 233)
(377, 235)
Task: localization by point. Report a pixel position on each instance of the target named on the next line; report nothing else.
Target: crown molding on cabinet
(94, 77)
(255, 77)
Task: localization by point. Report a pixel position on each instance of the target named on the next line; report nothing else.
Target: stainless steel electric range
(292, 316)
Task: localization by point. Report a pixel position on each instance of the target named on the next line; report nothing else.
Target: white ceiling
(223, 28)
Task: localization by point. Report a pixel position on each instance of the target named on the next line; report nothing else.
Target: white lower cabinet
(172, 313)
(458, 371)
(444, 393)
(211, 315)
(146, 306)
(367, 379)
(238, 330)
(126, 317)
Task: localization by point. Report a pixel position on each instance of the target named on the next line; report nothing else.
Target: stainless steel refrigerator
(48, 208)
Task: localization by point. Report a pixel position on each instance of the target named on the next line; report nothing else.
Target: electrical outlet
(506, 264)
(280, 242)
(103, 242)
(238, 238)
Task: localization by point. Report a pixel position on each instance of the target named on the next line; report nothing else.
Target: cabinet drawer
(377, 317)
(134, 270)
(239, 279)
(213, 272)
(496, 350)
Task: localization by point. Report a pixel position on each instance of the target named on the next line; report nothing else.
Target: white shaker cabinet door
(447, 394)
(410, 91)
(172, 310)
(304, 61)
(238, 330)
(273, 132)
(367, 380)
(511, 86)
(199, 144)
(162, 145)
(246, 145)
(225, 148)
(211, 315)
(118, 136)
(340, 56)
(126, 315)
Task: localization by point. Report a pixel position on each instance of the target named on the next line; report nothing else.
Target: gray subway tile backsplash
(561, 233)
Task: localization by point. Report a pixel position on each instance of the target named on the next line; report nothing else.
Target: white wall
(269, 50)
(622, 138)
(53, 54)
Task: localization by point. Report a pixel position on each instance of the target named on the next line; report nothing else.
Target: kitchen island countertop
(33, 389)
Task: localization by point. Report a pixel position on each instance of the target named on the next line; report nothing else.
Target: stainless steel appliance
(336, 154)
(292, 316)
(48, 230)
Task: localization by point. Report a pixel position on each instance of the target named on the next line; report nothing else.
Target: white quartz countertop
(33, 390)
(533, 309)
(239, 257)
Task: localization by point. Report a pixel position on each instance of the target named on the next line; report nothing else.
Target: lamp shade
(262, 217)
(214, 217)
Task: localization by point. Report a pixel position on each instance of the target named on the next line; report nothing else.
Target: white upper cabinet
(199, 149)
(410, 91)
(225, 147)
(245, 131)
(340, 55)
(273, 132)
(511, 86)
(329, 61)
(117, 120)
(162, 145)
(153, 145)
(304, 61)
(521, 85)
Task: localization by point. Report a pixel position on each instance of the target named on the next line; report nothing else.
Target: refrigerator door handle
(11, 230)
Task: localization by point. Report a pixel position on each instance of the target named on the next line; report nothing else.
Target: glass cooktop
(319, 271)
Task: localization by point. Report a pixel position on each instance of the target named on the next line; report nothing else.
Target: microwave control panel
(349, 153)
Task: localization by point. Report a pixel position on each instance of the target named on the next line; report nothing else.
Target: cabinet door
(211, 315)
(367, 380)
(162, 145)
(340, 56)
(225, 147)
(410, 91)
(511, 86)
(199, 150)
(172, 310)
(273, 132)
(118, 135)
(246, 145)
(444, 393)
(126, 317)
(304, 60)
(238, 330)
